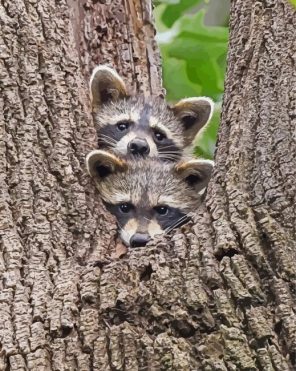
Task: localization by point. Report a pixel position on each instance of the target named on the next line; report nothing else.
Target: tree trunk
(120, 33)
(219, 294)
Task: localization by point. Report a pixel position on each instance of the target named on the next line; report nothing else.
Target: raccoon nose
(139, 146)
(139, 239)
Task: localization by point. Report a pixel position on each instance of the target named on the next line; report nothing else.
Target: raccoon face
(148, 197)
(143, 126)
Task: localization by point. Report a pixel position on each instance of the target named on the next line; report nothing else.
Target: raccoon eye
(161, 210)
(123, 125)
(159, 136)
(126, 208)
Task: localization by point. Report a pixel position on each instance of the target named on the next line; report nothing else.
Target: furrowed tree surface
(218, 294)
(119, 33)
(53, 228)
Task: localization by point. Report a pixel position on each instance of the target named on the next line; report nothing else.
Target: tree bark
(119, 33)
(218, 294)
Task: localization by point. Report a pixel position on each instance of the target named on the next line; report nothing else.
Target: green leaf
(176, 80)
(194, 62)
(203, 49)
(194, 24)
(174, 11)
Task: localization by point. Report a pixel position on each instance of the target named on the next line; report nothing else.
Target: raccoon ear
(100, 164)
(194, 113)
(105, 86)
(196, 173)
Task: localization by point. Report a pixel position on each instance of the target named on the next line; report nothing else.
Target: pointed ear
(100, 164)
(105, 86)
(193, 113)
(196, 173)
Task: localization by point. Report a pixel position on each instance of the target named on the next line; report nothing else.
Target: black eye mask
(173, 219)
(122, 217)
(110, 135)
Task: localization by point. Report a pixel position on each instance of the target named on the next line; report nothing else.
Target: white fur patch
(202, 191)
(155, 124)
(113, 197)
(171, 201)
(154, 228)
(121, 146)
(128, 231)
(132, 116)
(153, 148)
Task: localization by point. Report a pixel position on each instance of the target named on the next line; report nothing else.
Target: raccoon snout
(139, 240)
(139, 146)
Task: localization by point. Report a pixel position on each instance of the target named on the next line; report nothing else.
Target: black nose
(139, 239)
(139, 146)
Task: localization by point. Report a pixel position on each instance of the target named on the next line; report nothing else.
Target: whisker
(103, 141)
(170, 153)
(173, 225)
(123, 230)
(171, 156)
(179, 221)
(106, 137)
(166, 147)
(105, 144)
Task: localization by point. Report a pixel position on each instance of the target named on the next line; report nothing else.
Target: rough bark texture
(119, 33)
(217, 295)
(52, 226)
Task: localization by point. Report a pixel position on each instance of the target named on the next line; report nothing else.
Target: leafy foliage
(194, 59)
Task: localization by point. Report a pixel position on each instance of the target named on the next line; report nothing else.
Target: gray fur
(158, 109)
(148, 184)
(167, 131)
(145, 182)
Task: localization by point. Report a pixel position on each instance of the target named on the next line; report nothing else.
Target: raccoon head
(148, 197)
(143, 126)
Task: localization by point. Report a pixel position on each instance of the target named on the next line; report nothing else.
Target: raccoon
(144, 126)
(148, 196)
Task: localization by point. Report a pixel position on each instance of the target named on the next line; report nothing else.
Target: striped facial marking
(147, 220)
(122, 133)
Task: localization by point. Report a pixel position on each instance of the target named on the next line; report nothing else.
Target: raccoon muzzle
(139, 239)
(139, 146)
